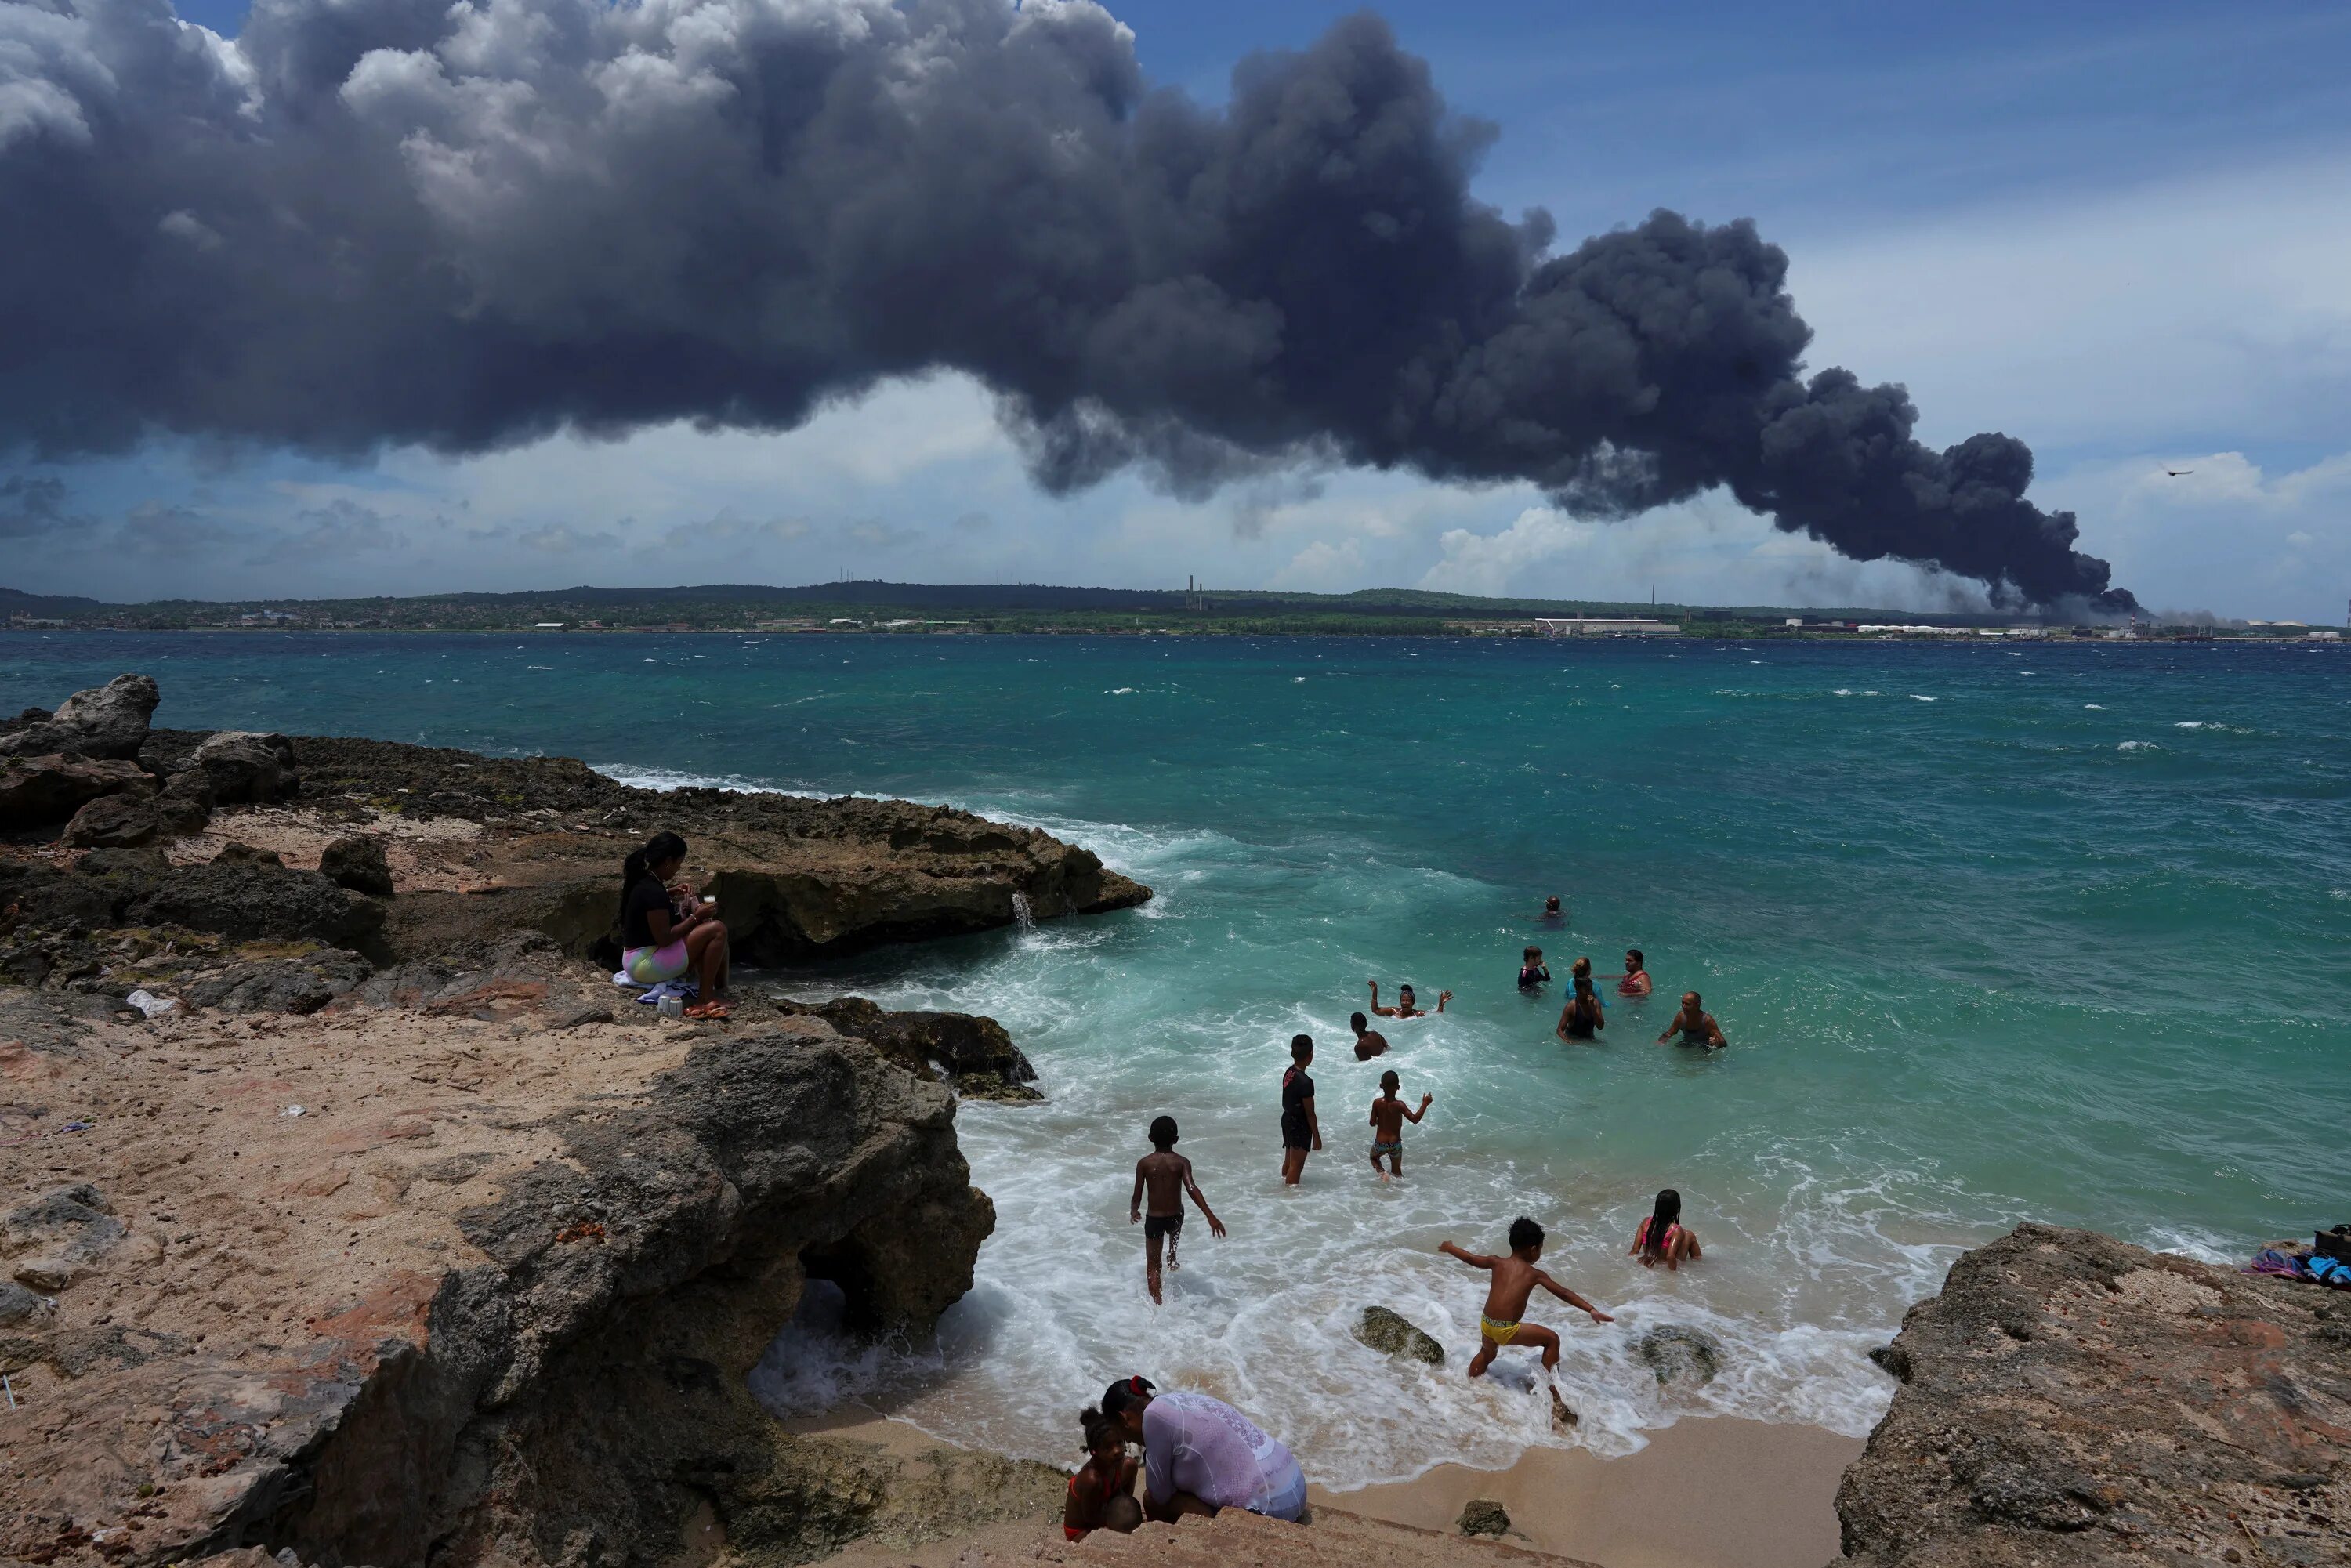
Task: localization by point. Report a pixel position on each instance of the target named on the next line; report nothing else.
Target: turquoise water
(2060, 932)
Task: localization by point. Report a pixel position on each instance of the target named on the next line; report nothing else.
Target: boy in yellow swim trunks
(1515, 1279)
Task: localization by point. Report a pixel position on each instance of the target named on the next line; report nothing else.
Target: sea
(1998, 932)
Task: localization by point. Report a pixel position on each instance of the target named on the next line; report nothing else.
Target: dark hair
(1524, 1233)
(1584, 1005)
(1531, 953)
(1358, 1022)
(1098, 1429)
(661, 846)
(1125, 1391)
(1162, 1132)
(1662, 1219)
(1405, 989)
(1552, 902)
(1638, 957)
(1121, 1513)
(1583, 969)
(1301, 1046)
(1390, 1082)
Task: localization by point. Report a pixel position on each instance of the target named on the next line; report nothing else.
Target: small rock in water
(1678, 1354)
(1392, 1334)
(1484, 1516)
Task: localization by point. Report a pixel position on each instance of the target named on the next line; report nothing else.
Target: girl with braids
(1661, 1239)
(1101, 1495)
(661, 940)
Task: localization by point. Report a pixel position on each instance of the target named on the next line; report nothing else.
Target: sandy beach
(1705, 1493)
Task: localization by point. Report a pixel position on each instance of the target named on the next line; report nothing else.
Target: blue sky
(2133, 223)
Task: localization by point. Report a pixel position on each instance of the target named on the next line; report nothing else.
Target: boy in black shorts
(1166, 1177)
(1301, 1130)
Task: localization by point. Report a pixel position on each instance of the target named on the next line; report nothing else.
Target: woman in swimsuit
(1582, 1021)
(1635, 982)
(1661, 1239)
(1101, 1494)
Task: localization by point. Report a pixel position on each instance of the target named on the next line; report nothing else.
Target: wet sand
(1706, 1493)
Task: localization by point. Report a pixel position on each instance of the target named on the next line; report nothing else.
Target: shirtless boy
(1515, 1279)
(1165, 1176)
(1404, 1007)
(1389, 1113)
(1695, 1025)
(1369, 1041)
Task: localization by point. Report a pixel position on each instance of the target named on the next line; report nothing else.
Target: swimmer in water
(1662, 1240)
(1369, 1041)
(1581, 1021)
(1552, 914)
(1532, 970)
(1515, 1279)
(1166, 1177)
(1301, 1130)
(1404, 1007)
(1635, 982)
(1695, 1025)
(1389, 1113)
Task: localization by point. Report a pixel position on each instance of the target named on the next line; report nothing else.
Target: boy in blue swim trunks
(1389, 1113)
(1166, 1177)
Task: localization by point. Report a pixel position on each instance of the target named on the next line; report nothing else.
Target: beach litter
(291, 1111)
(150, 1004)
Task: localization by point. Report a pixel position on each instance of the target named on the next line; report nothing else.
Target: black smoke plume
(365, 221)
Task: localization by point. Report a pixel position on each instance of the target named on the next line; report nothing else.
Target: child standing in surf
(1164, 1176)
(1389, 1113)
(1515, 1279)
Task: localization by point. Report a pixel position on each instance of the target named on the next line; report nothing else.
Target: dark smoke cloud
(374, 221)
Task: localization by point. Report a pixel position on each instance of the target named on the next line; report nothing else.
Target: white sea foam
(1120, 692)
(2096, 707)
(1916, 698)
(2138, 746)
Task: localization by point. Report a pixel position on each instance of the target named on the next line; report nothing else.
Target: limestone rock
(1680, 1354)
(2070, 1399)
(39, 790)
(280, 985)
(107, 722)
(237, 767)
(64, 1233)
(1484, 1516)
(357, 862)
(238, 852)
(975, 1053)
(1390, 1333)
(115, 822)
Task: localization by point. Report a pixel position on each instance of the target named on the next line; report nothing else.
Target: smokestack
(363, 223)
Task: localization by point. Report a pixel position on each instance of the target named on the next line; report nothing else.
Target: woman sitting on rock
(660, 941)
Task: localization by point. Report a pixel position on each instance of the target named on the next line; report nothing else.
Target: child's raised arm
(1414, 1116)
(1216, 1226)
(1571, 1298)
(1475, 1259)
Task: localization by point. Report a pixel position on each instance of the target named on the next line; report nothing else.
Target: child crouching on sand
(1389, 1113)
(1101, 1494)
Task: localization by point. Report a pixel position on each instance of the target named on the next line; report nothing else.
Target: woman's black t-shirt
(646, 895)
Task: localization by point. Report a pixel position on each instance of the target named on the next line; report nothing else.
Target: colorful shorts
(652, 965)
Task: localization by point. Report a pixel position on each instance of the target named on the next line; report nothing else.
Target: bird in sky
(2176, 473)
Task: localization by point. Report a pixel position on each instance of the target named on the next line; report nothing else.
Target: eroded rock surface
(107, 721)
(2070, 1399)
(422, 1277)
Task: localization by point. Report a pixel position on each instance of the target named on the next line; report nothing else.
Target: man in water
(1166, 1176)
(1404, 1007)
(1515, 1279)
(1301, 1131)
(1201, 1455)
(1369, 1041)
(1552, 914)
(1695, 1025)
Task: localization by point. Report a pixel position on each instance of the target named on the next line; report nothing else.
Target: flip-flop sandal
(709, 1010)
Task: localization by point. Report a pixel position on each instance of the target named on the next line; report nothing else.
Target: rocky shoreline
(403, 1237)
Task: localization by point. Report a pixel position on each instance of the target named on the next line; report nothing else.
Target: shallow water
(2059, 931)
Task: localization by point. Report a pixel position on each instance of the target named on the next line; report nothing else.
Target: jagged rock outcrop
(2070, 1399)
(973, 1053)
(37, 790)
(107, 721)
(380, 1287)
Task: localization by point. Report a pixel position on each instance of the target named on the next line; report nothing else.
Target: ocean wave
(2138, 746)
(1916, 698)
